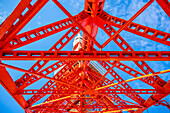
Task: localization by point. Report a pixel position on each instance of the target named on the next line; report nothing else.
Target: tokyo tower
(82, 72)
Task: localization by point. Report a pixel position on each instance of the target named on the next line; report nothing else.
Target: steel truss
(78, 86)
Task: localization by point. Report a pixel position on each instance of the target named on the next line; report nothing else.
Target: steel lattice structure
(78, 86)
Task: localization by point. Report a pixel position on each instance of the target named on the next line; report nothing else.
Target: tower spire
(77, 44)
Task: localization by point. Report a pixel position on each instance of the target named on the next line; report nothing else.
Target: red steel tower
(81, 83)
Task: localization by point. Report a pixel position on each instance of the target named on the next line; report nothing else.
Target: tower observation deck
(96, 63)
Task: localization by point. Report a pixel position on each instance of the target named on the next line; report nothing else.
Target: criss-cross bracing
(81, 83)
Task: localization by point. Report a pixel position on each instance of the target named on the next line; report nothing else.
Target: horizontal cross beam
(108, 91)
(86, 55)
(86, 106)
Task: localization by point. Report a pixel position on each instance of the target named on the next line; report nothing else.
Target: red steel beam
(87, 106)
(42, 32)
(22, 20)
(91, 100)
(50, 110)
(141, 30)
(166, 37)
(163, 103)
(51, 85)
(78, 24)
(36, 74)
(92, 29)
(7, 82)
(95, 111)
(48, 85)
(106, 81)
(54, 100)
(119, 111)
(108, 71)
(122, 100)
(115, 101)
(93, 8)
(93, 56)
(150, 80)
(57, 46)
(36, 97)
(165, 5)
(13, 17)
(72, 105)
(128, 22)
(137, 78)
(74, 91)
(41, 63)
(126, 47)
(113, 97)
(154, 99)
(118, 79)
(43, 72)
(86, 55)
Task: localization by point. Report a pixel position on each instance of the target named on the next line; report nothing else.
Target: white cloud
(39, 23)
(73, 6)
(52, 4)
(3, 16)
(77, 5)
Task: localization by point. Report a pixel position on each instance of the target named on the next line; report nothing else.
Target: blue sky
(153, 17)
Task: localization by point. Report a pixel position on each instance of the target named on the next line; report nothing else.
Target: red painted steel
(41, 63)
(141, 30)
(165, 4)
(7, 82)
(118, 79)
(90, 106)
(128, 22)
(37, 74)
(86, 55)
(126, 47)
(81, 27)
(42, 32)
(152, 81)
(109, 91)
(5, 26)
(79, 85)
(21, 20)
